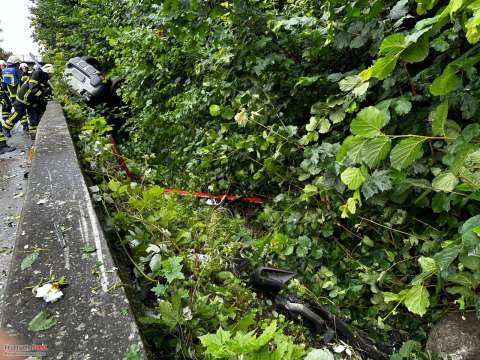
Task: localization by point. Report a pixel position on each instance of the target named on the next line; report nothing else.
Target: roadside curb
(93, 318)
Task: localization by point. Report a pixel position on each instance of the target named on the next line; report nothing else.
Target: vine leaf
(353, 177)
(368, 122)
(406, 152)
(445, 182)
(438, 118)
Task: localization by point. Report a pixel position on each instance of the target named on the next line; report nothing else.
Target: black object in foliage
(317, 317)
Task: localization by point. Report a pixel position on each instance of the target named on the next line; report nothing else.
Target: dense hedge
(359, 120)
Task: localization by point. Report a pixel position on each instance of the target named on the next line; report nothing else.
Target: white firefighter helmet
(13, 60)
(23, 66)
(48, 68)
(3, 63)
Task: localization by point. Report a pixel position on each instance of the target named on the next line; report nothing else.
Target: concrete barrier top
(93, 319)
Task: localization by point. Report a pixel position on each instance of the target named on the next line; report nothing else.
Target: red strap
(218, 197)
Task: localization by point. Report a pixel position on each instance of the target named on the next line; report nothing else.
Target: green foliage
(358, 120)
(223, 345)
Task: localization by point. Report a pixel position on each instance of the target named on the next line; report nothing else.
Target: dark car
(85, 77)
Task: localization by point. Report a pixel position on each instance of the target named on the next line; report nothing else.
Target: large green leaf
(353, 177)
(416, 300)
(355, 148)
(376, 150)
(406, 152)
(368, 122)
(384, 66)
(392, 44)
(438, 118)
(445, 182)
(417, 51)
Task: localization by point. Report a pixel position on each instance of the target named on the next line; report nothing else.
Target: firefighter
(3, 64)
(24, 71)
(31, 99)
(25, 75)
(11, 82)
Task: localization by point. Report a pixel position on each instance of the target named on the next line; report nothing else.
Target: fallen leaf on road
(41, 322)
(28, 261)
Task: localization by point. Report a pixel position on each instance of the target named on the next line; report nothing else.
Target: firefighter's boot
(4, 148)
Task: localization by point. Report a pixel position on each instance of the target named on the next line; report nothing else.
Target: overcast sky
(14, 21)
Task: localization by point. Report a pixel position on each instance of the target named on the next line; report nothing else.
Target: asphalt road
(13, 182)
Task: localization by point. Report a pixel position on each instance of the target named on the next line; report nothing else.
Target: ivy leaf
(376, 150)
(406, 152)
(416, 300)
(41, 322)
(445, 182)
(438, 118)
(28, 261)
(376, 183)
(353, 177)
(384, 66)
(368, 122)
(446, 82)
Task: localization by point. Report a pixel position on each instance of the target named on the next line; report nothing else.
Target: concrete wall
(93, 318)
